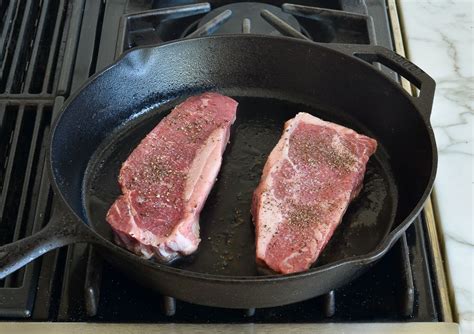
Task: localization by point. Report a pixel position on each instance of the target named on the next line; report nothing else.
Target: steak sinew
(310, 177)
(167, 178)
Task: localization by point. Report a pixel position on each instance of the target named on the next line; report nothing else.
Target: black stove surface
(49, 48)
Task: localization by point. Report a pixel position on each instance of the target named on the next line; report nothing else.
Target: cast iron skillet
(273, 78)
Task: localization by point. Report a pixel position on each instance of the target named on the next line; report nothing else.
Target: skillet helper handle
(61, 230)
(400, 65)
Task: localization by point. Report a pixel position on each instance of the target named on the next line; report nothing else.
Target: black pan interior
(228, 241)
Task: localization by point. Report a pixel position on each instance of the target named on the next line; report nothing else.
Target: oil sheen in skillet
(227, 231)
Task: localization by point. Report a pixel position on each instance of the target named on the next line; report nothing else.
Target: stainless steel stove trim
(362, 328)
(439, 263)
(430, 219)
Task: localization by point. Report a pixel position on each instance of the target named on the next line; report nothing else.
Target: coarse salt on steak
(310, 177)
(167, 178)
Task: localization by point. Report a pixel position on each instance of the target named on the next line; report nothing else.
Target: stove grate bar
(10, 157)
(211, 26)
(27, 183)
(335, 17)
(17, 45)
(318, 13)
(281, 25)
(250, 312)
(168, 306)
(408, 289)
(7, 15)
(176, 12)
(27, 125)
(30, 46)
(153, 18)
(40, 56)
(92, 283)
(329, 304)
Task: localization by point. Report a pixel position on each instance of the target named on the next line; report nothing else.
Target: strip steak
(310, 177)
(167, 178)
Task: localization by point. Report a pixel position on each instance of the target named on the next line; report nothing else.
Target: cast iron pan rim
(360, 260)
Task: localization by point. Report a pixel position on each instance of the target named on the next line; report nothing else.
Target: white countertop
(439, 37)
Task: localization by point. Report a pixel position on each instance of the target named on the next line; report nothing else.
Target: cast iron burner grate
(50, 48)
(32, 47)
(394, 290)
(240, 18)
(202, 19)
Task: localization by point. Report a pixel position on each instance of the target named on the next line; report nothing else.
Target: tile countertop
(439, 37)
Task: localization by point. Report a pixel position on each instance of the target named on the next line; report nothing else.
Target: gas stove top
(49, 48)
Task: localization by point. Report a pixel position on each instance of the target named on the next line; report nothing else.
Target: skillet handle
(399, 64)
(61, 230)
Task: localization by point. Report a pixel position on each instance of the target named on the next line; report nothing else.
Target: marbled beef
(310, 177)
(167, 178)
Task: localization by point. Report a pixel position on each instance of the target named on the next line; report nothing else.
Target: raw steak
(167, 178)
(310, 177)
